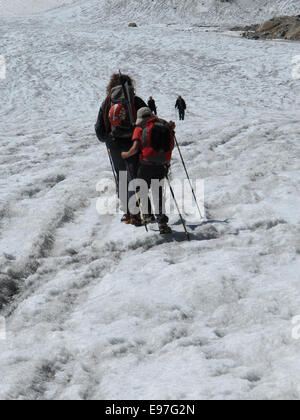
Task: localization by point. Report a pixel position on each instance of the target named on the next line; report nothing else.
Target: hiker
(152, 105)
(181, 106)
(114, 128)
(153, 139)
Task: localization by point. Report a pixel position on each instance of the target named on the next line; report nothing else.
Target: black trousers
(148, 173)
(181, 114)
(130, 166)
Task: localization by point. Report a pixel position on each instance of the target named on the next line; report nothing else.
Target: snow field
(102, 310)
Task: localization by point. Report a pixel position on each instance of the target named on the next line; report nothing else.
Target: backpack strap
(146, 135)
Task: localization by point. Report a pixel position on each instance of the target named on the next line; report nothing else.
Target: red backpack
(118, 113)
(157, 142)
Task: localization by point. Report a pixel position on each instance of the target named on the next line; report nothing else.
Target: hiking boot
(164, 229)
(136, 221)
(131, 219)
(126, 218)
(149, 218)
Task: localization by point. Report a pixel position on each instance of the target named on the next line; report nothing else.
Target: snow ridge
(204, 12)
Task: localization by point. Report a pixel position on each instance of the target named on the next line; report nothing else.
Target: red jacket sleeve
(137, 135)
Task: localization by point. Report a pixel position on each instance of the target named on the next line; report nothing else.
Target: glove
(172, 125)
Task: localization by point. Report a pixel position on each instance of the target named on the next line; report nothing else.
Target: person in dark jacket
(115, 145)
(152, 105)
(181, 106)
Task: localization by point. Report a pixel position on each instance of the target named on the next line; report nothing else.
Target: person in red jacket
(153, 139)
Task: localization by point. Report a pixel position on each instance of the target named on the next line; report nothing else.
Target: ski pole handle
(125, 88)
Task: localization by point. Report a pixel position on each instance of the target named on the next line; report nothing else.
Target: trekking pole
(125, 88)
(187, 174)
(174, 198)
(112, 166)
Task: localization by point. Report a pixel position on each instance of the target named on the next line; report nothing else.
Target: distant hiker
(153, 138)
(181, 106)
(114, 128)
(152, 105)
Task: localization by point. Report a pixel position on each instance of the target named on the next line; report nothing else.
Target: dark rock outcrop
(285, 27)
